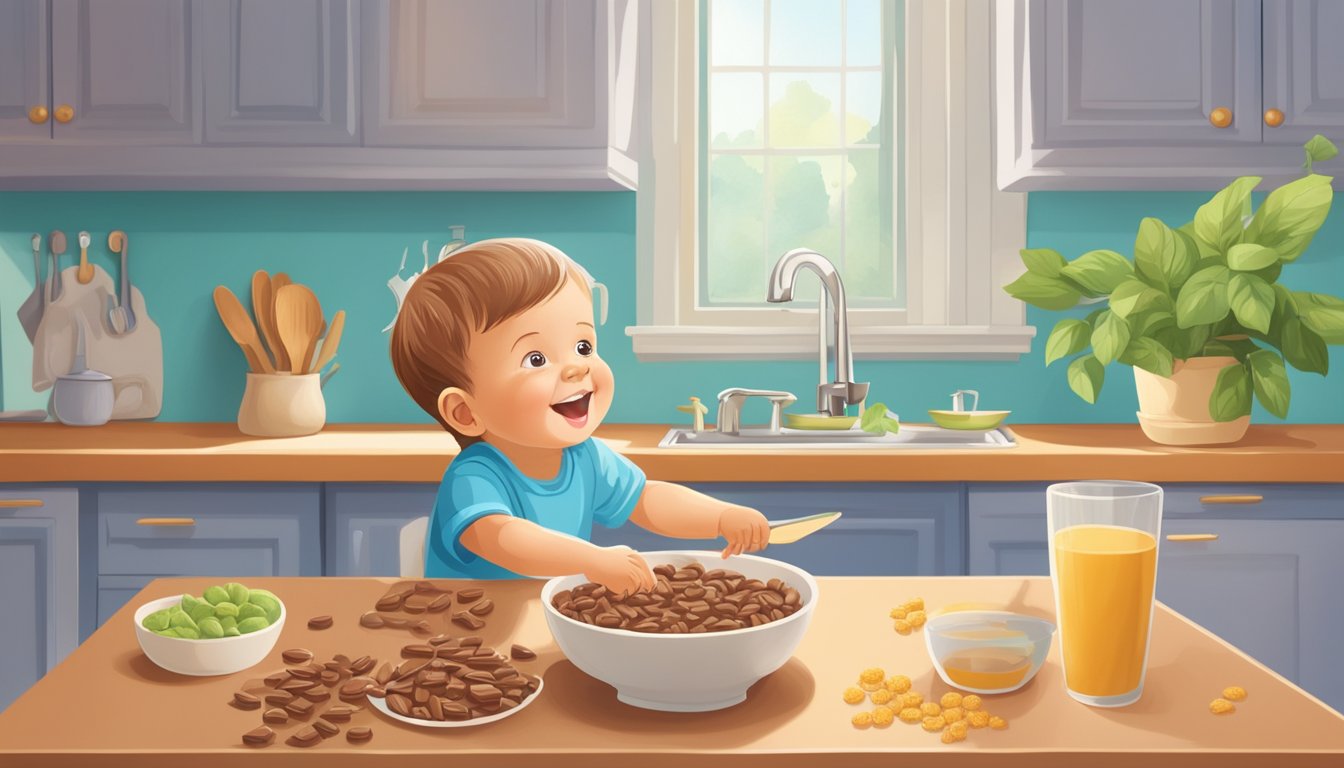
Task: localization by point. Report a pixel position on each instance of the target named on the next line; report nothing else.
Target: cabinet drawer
(230, 530)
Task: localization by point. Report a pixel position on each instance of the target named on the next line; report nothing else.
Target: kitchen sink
(910, 436)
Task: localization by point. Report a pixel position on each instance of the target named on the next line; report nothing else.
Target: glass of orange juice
(1103, 562)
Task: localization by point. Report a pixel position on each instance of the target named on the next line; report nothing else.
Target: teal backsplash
(346, 245)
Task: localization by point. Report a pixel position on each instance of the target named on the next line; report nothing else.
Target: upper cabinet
(318, 94)
(1162, 94)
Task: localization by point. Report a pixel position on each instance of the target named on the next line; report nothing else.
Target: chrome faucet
(841, 390)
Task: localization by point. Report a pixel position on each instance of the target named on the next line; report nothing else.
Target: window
(858, 128)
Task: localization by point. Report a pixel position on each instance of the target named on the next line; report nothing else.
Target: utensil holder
(282, 405)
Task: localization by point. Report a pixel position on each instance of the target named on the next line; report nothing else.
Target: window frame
(961, 234)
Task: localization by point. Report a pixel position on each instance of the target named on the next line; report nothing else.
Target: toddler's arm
(533, 550)
(675, 510)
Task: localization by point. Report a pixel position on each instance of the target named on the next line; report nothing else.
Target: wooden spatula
(263, 309)
(240, 327)
(331, 342)
(298, 319)
(789, 531)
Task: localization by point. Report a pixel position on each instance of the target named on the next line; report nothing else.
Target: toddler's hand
(745, 529)
(621, 570)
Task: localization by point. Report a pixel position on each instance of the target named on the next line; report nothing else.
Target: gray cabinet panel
(239, 530)
(364, 525)
(25, 76)
(280, 73)
(1304, 69)
(1148, 72)
(114, 591)
(39, 566)
(129, 71)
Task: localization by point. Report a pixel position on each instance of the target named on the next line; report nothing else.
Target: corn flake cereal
(870, 687)
(970, 703)
(911, 715)
(959, 728)
(997, 723)
(949, 737)
(954, 714)
(1222, 707)
(898, 684)
(872, 675)
(914, 699)
(862, 720)
(1234, 693)
(950, 699)
(915, 604)
(883, 716)
(934, 724)
(931, 709)
(978, 718)
(853, 695)
(881, 696)
(916, 618)
(897, 613)
(903, 627)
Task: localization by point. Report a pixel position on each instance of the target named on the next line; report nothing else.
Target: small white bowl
(202, 658)
(999, 642)
(685, 672)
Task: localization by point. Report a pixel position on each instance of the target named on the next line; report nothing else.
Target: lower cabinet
(364, 522)
(39, 566)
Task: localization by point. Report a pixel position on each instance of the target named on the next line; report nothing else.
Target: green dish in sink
(978, 420)
(818, 421)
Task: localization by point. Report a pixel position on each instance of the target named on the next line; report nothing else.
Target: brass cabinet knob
(1273, 118)
(1221, 117)
(65, 113)
(38, 115)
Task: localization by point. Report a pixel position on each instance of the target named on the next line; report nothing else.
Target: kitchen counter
(152, 452)
(107, 704)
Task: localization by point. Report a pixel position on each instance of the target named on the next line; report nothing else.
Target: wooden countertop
(153, 452)
(107, 704)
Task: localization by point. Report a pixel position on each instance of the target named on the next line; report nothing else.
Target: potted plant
(1198, 311)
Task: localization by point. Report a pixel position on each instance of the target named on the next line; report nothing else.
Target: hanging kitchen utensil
(331, 342)
(120, 315)
(30, 312)
(240, 327)
(789, 531)
(55, 247)
(85, 268)
(263, 310)
(298, 318)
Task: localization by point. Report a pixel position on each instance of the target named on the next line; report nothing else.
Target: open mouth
(575, 408)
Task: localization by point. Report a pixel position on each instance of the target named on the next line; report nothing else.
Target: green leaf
(1318, 149)
(1086, 376)
(1044, 292)
(1151, 322)
(1203, 299)
(1271, 381)
(1290, 216)
(1110, 337)
(1099, 271)
(1303, 348)
(1134, 296)
(1042, 261)
(875, 420)
(1231, 398)
(1184, 343)
(1162, 256)
(1322, 314)
(1252, 300)
(1218, 222)
(1201, 249)
(1069, 336)
(1238, 348)
(1149, 355)
(1249, 257)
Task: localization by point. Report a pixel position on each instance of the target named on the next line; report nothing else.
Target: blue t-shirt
(595, 484)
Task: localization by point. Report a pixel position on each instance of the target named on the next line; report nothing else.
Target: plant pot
(1174, 410)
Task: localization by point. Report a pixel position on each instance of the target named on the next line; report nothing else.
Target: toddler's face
(537, 379)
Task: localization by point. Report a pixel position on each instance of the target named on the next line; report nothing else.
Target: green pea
(269, 604)
(216, 595)
(225, 609)
(157, 620)
(232, 632)
(237, 592)
(252, 625)
(170, 632)
(188, 633)
(189, 602)
(250, 610)
(201, 610)
(228, 621)
(211, 628)
(181, 619)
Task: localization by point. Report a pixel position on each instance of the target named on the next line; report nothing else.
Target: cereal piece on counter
(949, 737)
(853, 695)
(911, 715)
(954, 714)
(997, 723)
(970, 702)
(1234, 693)
(914, 699)
(870, 687)
(883, 717)
(881, 696)
(978, 718)
(903, 627)
(931, 709)
(898, 683)
(950, 699)
(917, 618)
(1222, 707)
(897, 613)
(959, 728)
(934, 724)
(862, 720)
(915, 604)
(872, 675)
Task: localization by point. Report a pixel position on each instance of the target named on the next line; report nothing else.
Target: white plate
(380, 704)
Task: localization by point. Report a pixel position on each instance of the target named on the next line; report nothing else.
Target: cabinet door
(1006, 531)
(39, 567)
(1269, 587)
(1304, 69)
(128, 69)
(364, 525)
(25, 80)
(1147, 73)
(461, 73)
(887, 529)
(280, 73)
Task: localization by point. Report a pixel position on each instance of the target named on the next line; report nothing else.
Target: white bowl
(684, 672)
(220, 656)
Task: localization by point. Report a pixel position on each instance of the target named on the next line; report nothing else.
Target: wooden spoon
(263, 309)
(331, 342)
(282, 361)
(240, 327)
(298, 318)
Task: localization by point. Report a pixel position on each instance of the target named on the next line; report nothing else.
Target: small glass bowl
(984, 651)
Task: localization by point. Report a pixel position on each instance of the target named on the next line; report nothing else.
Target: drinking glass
(1103, 563)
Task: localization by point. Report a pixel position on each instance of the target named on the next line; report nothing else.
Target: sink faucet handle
(731, 401)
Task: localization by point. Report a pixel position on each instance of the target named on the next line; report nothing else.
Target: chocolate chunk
(482, 694)
(467, 620)
(275, 717)
(297, 656)
(383, 674)
(359, 734)
(362, 665)
(301, 708)
(425, 588)
(355, 687)
(438, 640)
(316, 694)
(305, 737)
(279, 698)
(470, 641)
(340, 713)
(326, 728)
(439, 604)
(259, 737)
(418, 651)
(320, 622)
(389, 603)
(275, 679)
(483, 608)
(372, 620)
(399, 703)
(469, 595)
(417, 603)
(296, 684)
(244, 700)
(522, 652)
